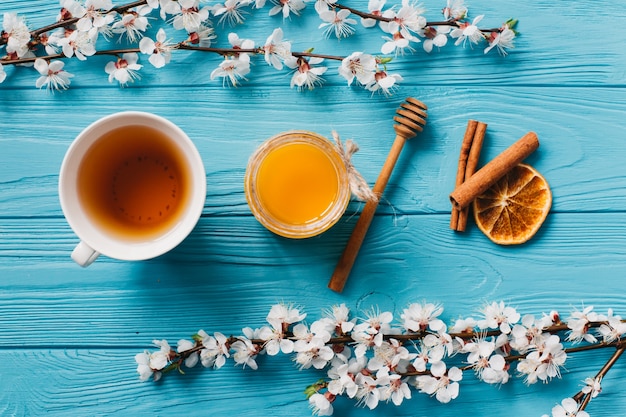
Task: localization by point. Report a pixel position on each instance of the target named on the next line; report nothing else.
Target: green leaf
(511, 23)
(314, 388)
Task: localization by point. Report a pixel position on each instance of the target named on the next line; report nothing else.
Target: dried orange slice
(512, 210)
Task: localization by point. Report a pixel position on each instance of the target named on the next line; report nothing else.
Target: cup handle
(84, 255)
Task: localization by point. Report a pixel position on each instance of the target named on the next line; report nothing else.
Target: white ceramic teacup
(132, 186)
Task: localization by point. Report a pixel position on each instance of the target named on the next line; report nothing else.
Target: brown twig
(584, 398)
(182, 45)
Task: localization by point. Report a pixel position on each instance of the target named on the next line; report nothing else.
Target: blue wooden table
(68, 336)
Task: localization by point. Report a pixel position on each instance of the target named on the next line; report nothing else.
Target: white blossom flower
(392, 387)
(304, 335)
(306, 75)
(613, 329)
(239, 43)
(184, 345)
(545, 362)
(160, 51)
(276, 50)
(124, 69)
(216, 349)
(203, 36)
(159, 359)
(81, 44)
(324, 5)
(464, 325)
(529, 334)
(468, 32)
(3, 74)
(489, 366)
(443, 384)
(232, 71)
(374, 7)
(358, 65)
(435, 36)
(455, 9)
(421, 317)
(230, 11)
(498, 316)
(92, 15)
(553, 357)
(287, 7)
(281, 314)
(370, 333)
(343, 375)
(279, 317)
(568, 408)
(51, 42)
(320, 405)
(244, 351)
(149, 6)
(338, 22)
(441, 344)
(337, 320)
(501, 40)
(16, 33)
(397, 44)
(52, 75)
(143, 367)
(368, 393)
(311, 345)
(409, 21)
(315, 354)
(131, 25)
(592, 386)
(391, 355)
(384, 82)
(188, 15)
(167, 7)
(578, 323)
(426, 355)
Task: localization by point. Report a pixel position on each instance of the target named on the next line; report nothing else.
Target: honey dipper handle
(346, 261)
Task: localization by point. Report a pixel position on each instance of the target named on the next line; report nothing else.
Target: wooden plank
(227, 275)
(577, 152)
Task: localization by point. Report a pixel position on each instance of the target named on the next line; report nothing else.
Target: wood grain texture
(68, 335)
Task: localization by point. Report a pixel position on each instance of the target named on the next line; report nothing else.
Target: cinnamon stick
(495, 169)
(470, 169)
(466, 146)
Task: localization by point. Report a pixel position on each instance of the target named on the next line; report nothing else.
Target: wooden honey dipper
(411, 118)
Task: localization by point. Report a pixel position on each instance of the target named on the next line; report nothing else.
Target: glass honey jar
(297, 184)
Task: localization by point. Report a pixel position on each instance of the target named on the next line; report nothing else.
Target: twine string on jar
(358, 185)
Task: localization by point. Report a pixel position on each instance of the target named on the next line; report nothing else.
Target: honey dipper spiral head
(411, 118)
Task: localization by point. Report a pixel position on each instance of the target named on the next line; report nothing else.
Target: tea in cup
(132, 186)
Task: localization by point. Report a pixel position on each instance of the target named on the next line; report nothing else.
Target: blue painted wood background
(68, 335)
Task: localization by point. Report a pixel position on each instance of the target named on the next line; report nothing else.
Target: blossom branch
(66, 22)
(85, 20)
(369, 360)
